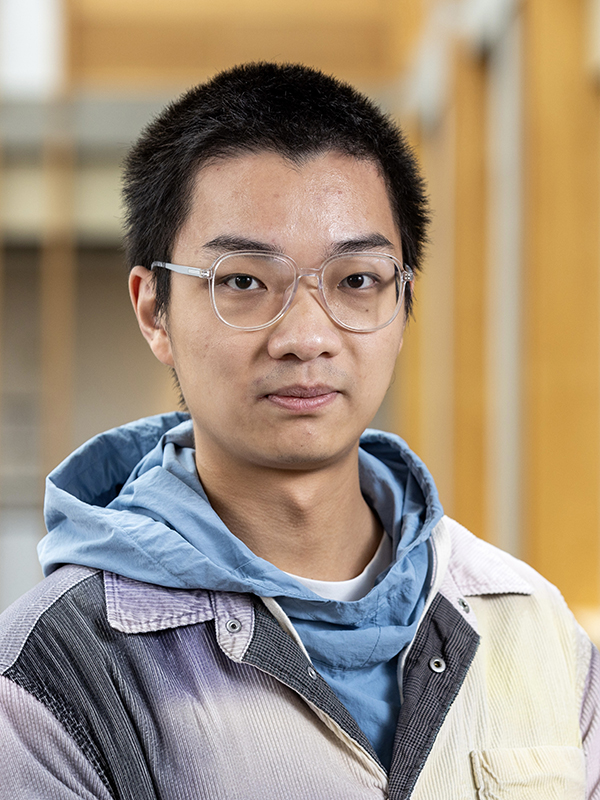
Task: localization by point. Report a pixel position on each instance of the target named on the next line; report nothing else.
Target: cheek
(212, 365)
(380, 357)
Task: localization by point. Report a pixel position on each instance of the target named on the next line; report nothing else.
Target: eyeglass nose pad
(309, 273)
(290, 292)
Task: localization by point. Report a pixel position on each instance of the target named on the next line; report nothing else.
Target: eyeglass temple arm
(196, 272)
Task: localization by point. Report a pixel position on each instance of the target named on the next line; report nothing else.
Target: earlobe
(143, 299)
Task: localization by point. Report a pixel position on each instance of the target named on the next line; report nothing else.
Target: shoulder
(511, 603)
(51, 602)
(480, 568)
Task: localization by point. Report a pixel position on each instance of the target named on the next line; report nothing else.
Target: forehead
(326, 198)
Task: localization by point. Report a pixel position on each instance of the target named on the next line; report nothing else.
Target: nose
(306, 331)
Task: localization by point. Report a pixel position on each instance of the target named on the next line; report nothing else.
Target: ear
(141, 291)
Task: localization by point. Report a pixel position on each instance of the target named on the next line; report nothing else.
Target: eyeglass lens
(361, 291)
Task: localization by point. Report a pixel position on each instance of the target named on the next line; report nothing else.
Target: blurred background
(498, 385)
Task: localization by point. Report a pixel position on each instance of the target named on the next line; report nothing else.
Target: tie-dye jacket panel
(112, 688)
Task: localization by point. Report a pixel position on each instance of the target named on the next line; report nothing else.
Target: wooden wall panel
(403, 23)
(434, 313)
(106, 53)
(163, 45)
(442, 391)
(561, 303)
(405, 392)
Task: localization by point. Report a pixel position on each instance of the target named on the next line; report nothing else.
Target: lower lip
(302, 404)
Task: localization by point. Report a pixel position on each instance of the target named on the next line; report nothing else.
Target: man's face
(297, 394)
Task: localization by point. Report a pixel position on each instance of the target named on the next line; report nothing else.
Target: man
(260, 603)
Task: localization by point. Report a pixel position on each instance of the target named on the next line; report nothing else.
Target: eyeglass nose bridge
(316, 272)
(307, 273)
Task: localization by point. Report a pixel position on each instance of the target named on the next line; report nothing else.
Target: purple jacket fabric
(113, 688)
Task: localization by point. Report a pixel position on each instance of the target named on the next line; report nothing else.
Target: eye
(361, 280)
(242, 282)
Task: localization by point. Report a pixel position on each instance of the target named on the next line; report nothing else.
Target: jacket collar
(479, 568)
(135, 607)
(464, 566)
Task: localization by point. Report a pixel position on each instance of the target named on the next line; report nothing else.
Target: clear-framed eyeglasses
(250, 290)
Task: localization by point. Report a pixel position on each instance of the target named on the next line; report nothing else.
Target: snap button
(464, 605)
(437, 664)
(311, 673)
(233, 625)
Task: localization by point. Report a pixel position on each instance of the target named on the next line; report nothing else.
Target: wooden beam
(57, 276)
(434, 312)
(561, 303)
(404, 23)
(405, 392)
(143, 54)
(159, 43)
(470, 246)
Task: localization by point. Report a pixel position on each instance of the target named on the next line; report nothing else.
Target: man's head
(283, 161)
(291, 110)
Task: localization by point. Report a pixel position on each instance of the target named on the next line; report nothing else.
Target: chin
(305, 455)
(297, 461)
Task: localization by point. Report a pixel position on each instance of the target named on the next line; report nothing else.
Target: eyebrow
(371, 242)
(232, 244)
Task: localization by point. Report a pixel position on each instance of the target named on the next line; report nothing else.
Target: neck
(312, 523)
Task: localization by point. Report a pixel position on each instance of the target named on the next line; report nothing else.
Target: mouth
(302, 398)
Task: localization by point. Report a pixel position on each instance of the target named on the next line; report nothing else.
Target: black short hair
(289, 109)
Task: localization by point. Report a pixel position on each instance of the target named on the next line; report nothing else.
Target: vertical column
(561, 304)
(58, 269)
(470, 250)
(434, 311)
(504, 290)
(404, 395)
(404, 22)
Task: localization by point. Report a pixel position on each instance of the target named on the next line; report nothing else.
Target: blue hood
(130, 501)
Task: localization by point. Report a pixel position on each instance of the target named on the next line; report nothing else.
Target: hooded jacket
(154, 669)
(130, 502)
